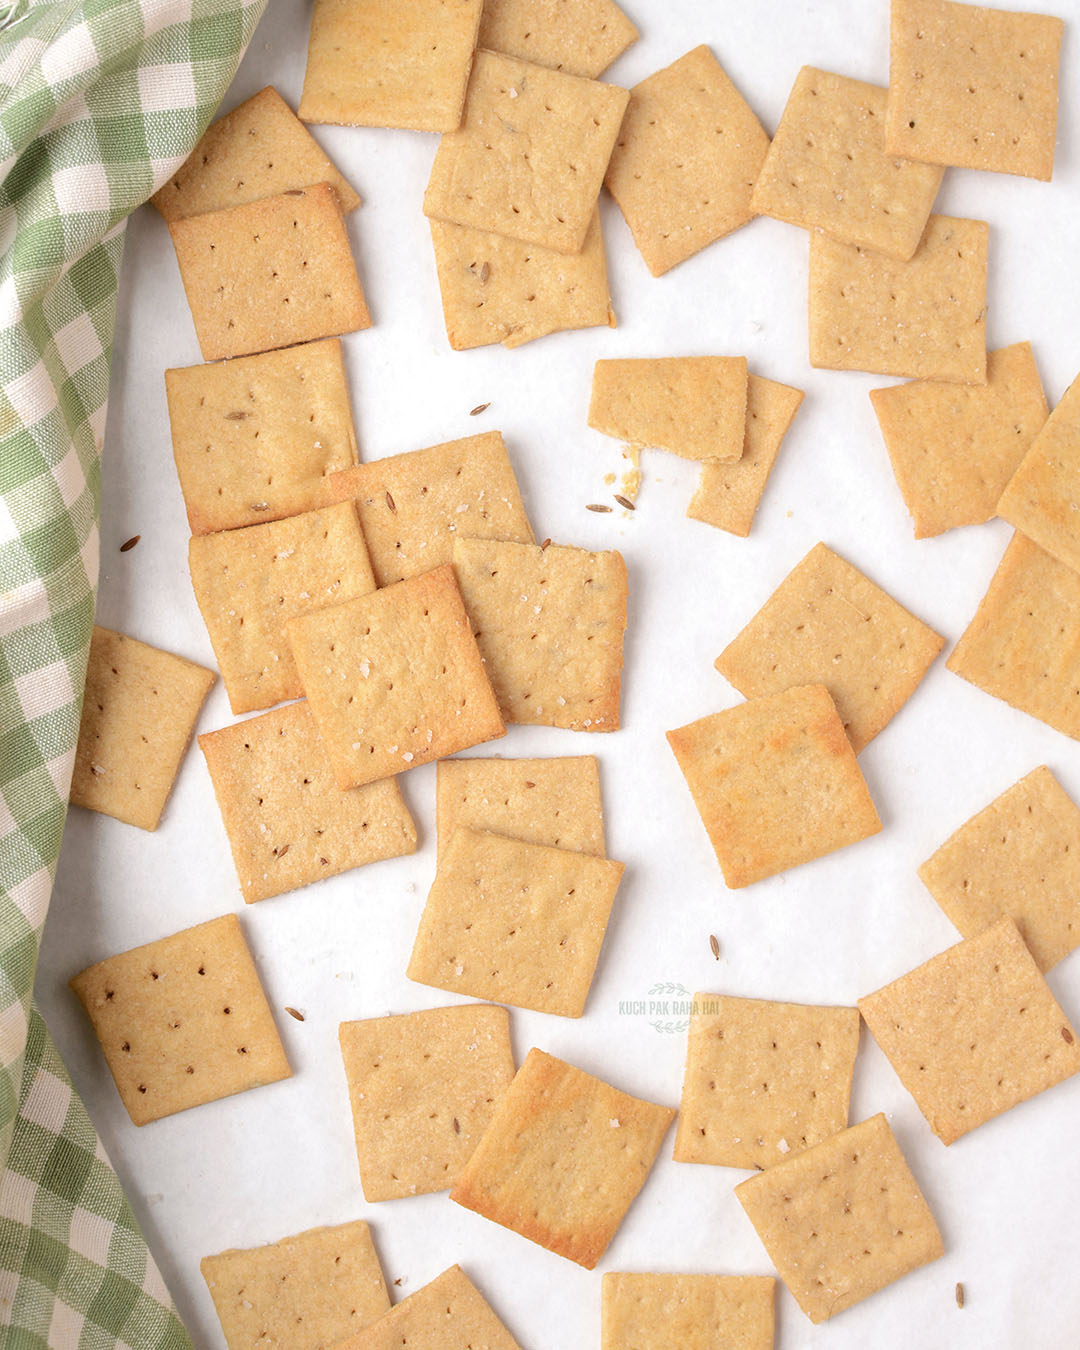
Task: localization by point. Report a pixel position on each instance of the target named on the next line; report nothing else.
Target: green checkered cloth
(100, 100)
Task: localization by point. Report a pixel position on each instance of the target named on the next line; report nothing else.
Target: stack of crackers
(377, 616)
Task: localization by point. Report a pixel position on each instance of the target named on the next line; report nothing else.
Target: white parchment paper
(273, 1162)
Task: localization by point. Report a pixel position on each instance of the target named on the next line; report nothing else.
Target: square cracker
(412, 506)
(694, 406)
(394, 679)
(687, 1312)
(140, 706)
(450, 1313)
(250, 582)
(1041, 498)
(529, 158)
(541, 801)
(727, 495)
(549, 623)
(687, 157)
(1020, 857)
(827, 168)
(255, 438)
(954, 447)
(259, 149)
(842, 1220)
(925, 318)
(974, 87)
(973, 1031)
(776, 783)
(520, 923)
(563, 1159)
(828, 624)
(183, 1021)
(763, 1080)
(496, 289)
(269, 273)
(378, 63)
(423, 1088)
(307, 1292)
(288, 822)
(582, 37)
(1023, 645)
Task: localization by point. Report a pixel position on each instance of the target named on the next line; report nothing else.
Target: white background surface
(278, 1160)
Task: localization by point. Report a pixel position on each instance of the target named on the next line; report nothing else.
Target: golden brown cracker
(520, 923)
(270, 273)
(287, 821)
(549, 622)
(540, 801)
(775, 782)
(727, 495)
(1019, 856)
(139, 710)
(974, 1031)
(255, 438)
(973, 86)
(423, 1088)
(250, 582)
(842, 1220)
(686, 1312)
(529, 159)
(394, 679)
(496, 289)
(1023, 645)
(306, 1292)
(259, 149)
(686, 159)
(580, 37)
(1043, 497)
(563, 1159)
(183, 1020)
(450, 1313)
(763, 1079)
(694, 406)
(378, 63)
(925, 318)
(954, 447)
(413, 506)
(827, 168)
(826, 623)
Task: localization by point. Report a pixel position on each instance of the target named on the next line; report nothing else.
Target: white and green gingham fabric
(100, 100)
